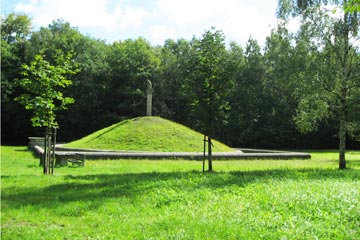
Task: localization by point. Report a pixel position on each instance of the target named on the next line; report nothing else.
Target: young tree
(331, 78)
(90, 112)
(43, 83)
(209, 84)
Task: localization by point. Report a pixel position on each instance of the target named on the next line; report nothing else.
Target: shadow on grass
(355, 163)
(22, 150)
(95, 189)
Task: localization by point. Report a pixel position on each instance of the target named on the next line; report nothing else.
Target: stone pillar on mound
(149, 92)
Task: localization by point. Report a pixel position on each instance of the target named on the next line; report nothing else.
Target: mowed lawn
(142, 199)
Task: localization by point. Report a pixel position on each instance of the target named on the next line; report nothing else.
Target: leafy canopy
(209, 82)
(43, 83)
(352, 6)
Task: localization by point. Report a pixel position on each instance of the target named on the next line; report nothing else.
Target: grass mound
(147, 134)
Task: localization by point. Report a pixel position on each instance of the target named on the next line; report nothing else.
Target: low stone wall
(237, 154)
(62, 154)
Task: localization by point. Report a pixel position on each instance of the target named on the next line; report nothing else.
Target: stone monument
(149, 98)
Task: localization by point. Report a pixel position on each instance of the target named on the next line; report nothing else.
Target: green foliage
(258, 88)
(15, 27)
(172, 98)
(146, 134)
(208, 85)
(130, 199)
(330, 83)
(209, 82)
(311, 111)
(352, 6)
(248, 92)
(43, 83)
(132, 63)
(59, 35)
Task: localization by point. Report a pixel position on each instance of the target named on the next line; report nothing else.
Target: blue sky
(155, 20)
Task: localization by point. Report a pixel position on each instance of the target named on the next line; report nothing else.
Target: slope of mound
(147, 134)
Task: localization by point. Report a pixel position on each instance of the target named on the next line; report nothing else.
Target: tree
(57, 35)
(174, 67)
(15, 30)
(352, 6)
(247, 96)
(331, 80)
(132, 63)
(281, 63)
(43, 83)
(90, 86)
(209, 84)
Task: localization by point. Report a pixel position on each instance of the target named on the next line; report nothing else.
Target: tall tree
(133, 62)
(209, 84)
(236, 65)
(90, 89)
(247, 99)
(15, 31)
(280, 63)
(174, 67)
(57, 35)
(331, 81)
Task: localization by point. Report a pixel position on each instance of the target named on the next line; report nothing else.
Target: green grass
(143, 199)
(147, 134)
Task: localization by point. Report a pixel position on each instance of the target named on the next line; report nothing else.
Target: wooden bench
(77, 160)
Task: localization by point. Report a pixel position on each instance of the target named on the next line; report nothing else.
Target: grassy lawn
(128, 199)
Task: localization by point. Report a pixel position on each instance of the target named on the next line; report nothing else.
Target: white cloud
(188, 12)
(157, 20)
(84, 13)
(21, 7)
(160, 33)
(131, 16)
(237, 18)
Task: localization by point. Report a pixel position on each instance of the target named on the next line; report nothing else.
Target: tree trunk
(342, 141)
(210, 154)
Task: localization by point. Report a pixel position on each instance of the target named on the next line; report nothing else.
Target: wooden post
(204, 153)
(44, 154)
(53, 150)
(47, 153)
(210, 154)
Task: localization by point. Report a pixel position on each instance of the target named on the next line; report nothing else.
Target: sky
(154, 20)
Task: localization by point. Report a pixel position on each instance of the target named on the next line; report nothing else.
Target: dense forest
(290, 93)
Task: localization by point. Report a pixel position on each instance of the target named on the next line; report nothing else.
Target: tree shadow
(22, 150)
(353, 163)
(96, 188)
